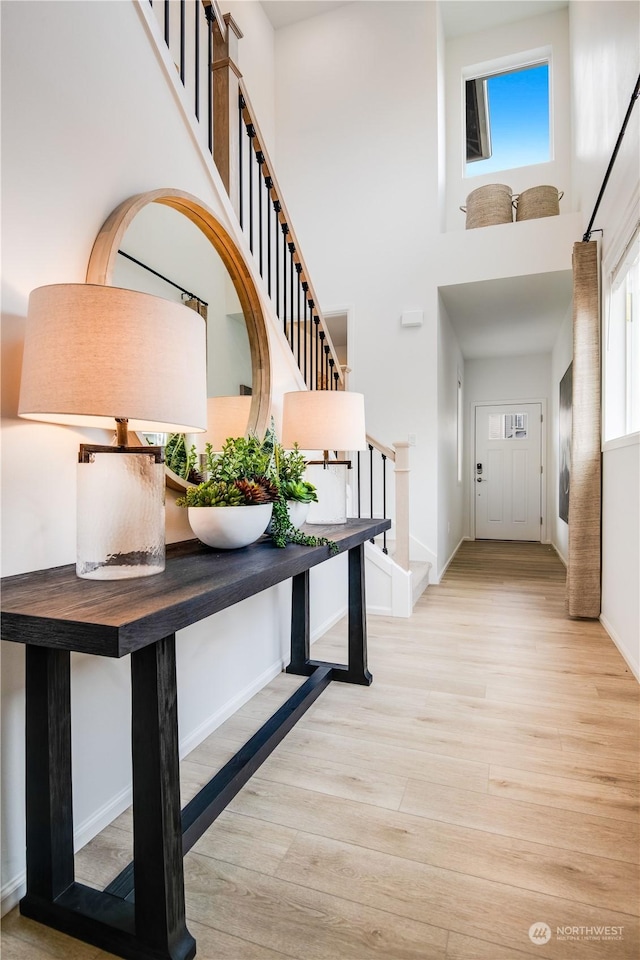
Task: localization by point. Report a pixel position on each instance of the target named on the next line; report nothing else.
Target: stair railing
(372, 483)
(203, 44)
(264, 217)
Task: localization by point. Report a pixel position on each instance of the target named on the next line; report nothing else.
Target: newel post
(225, 77)
(401, 555)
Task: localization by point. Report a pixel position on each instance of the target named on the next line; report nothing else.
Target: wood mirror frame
(102, 265)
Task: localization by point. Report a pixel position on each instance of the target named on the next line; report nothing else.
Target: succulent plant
(300, 490)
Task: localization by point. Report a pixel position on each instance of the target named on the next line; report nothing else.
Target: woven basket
(489, 205)
(538, 202)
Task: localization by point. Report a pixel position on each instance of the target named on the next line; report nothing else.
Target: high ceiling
(458, 16)
(282, 13)
(516, 315)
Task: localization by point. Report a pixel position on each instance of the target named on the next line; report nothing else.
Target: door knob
(479, 480)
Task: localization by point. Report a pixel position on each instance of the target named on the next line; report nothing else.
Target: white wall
(359, 173)
(88, 119)
(545, 32)
(360, 115)
(256, 60)
(605, 47)
(496, 380)
(450, 489)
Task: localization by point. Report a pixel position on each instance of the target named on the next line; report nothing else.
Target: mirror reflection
(165, 254)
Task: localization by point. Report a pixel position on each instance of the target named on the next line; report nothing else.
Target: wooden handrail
(388, 452)
(275, 193)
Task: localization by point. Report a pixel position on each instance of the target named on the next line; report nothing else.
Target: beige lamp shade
(323, 420)
(93, 353)
(227, 417)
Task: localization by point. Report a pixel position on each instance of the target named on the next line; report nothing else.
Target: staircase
(227, 122)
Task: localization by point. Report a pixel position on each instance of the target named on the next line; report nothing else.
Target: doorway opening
(508, 471)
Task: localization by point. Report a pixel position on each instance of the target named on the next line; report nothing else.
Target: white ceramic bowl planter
(298, 510)
(228, 528)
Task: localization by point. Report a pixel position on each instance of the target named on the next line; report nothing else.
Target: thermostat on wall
(412, 318)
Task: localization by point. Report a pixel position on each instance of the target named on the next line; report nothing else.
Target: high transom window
(507, 119)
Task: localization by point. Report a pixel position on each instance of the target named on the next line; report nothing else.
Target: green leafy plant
(289, 466)
(282, 531)
(241, 458)
(300, 490)
(249, 471)
(229, 493)
(180, 459)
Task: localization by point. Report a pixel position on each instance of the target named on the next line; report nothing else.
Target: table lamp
(101, 356)
(325, 420)
(226, 417)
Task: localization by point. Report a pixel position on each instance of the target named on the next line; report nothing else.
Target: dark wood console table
(141, 914)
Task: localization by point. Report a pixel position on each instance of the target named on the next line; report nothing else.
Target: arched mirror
(170, 244)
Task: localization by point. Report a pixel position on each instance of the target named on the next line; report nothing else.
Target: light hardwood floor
(486, 782)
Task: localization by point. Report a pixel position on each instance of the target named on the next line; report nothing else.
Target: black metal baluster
(336, 378)
(196, 42)
(298, 272)
(251, 132)
(241, 106)
(183, 13)
(260, 159)
(268, 184)
(276, 207)
(331, 366)
(305, 287)
(321, 357)
(285, 231)
(316, 321)
(384, 500)
(208, 12)
(167, 8)
(325, 372)
(371, 484)
(292, 249)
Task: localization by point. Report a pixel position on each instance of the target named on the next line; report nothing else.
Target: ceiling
(282, 13)
(472, 16)
(509, 317)
(458, 16)
(513, 316)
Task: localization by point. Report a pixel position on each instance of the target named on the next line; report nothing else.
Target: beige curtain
(583, 576)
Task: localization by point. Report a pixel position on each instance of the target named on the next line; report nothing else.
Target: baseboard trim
(634, 667)
(330, 622)
(442, 572)
(552, 544)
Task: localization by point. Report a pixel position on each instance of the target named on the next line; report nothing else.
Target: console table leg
(50, 868)
(300, 629)
(157, 830)
(358, 671)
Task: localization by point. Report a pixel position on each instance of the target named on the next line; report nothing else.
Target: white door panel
(507, 478)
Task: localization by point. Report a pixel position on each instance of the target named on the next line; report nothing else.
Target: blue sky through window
(519, 120)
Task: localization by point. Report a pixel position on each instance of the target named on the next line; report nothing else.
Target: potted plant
(240, 477)
(263, 483)
(299, 493)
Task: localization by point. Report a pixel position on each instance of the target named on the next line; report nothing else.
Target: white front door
(507, 475)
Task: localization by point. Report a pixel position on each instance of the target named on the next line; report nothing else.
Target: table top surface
(56, 608)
